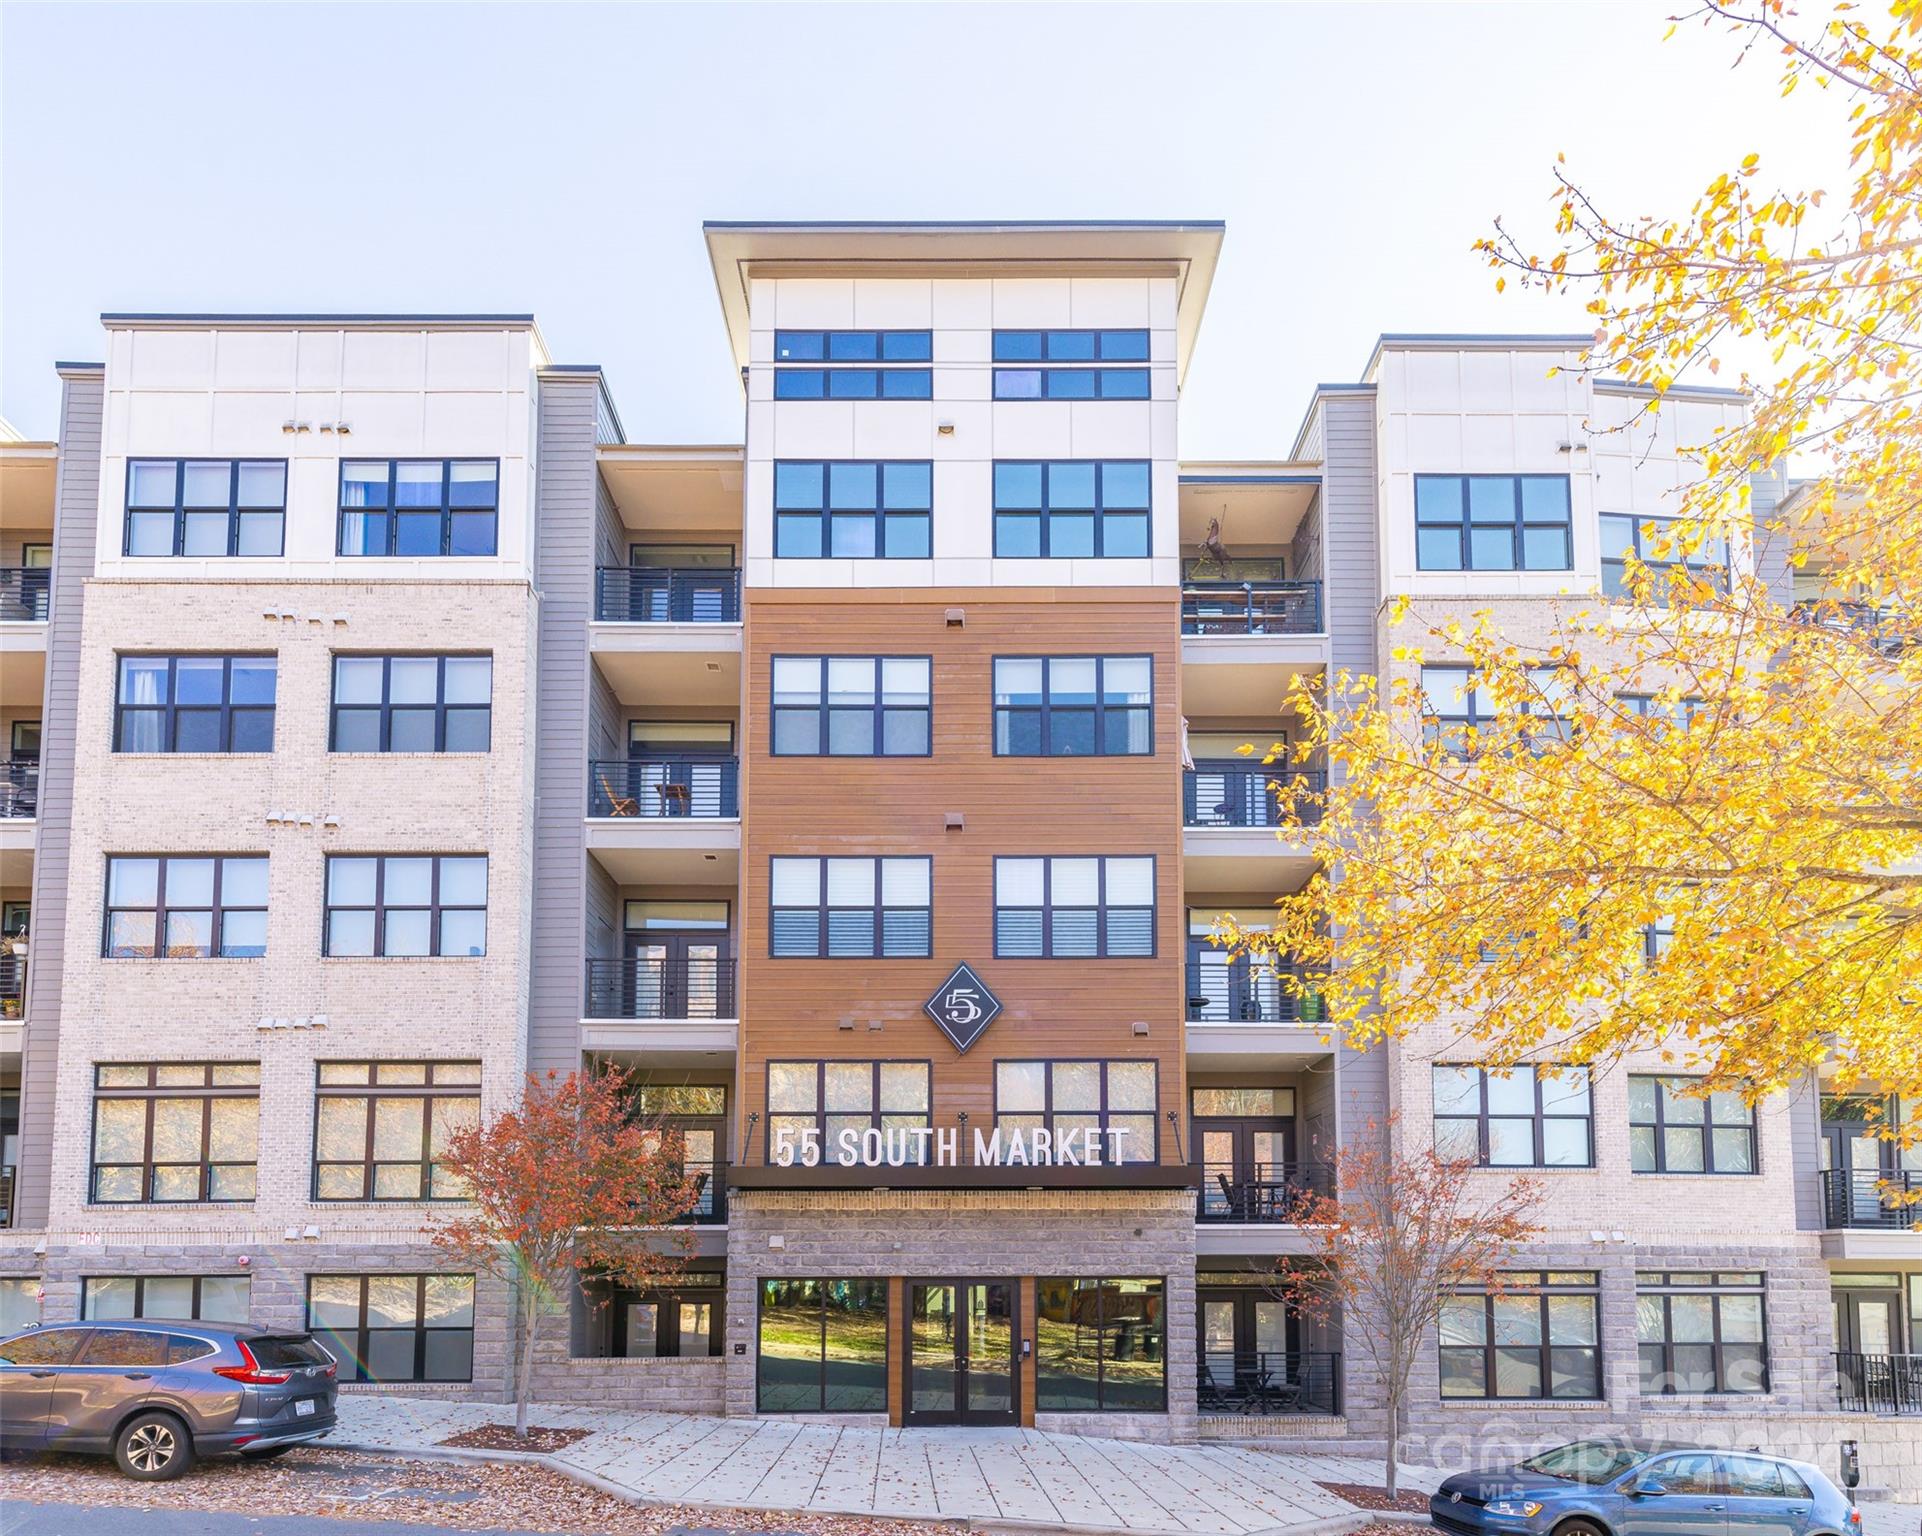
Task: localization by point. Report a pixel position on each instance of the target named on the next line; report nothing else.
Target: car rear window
(284, 1351)
(181, 1348)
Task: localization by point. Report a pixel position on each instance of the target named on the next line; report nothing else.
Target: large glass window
(864, 509)
(413, 704)
(1537, 1336)
(1090, 1098)
(853, 384)
(19, 1305)
(823, 1347)
(1100, 1346)
(206, 508)
(1700, 1333)
(381, 1126)
(406, 904)
(851, 908)
(1492, 523)
(419, 507)
(1074, 908)
(1077, 508)
(1083, 346)
(186, 907)
(195, 704)
(852, 706)
(395, 1327)
(1457, 705)
(811, 1105)
(175, 1132)
(1652, 541)
(204, 1298)
(1527, 1117)
(1071, 383)
(1672, 1129)
(871, 346)
(1073, 706)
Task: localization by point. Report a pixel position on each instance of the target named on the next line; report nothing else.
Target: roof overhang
(1183, 248)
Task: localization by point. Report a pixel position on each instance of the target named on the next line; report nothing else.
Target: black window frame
(428, 1093)
(1537, 1118)
(1045, 710)
(880, 909)
(825, 711)
(1135, 383)
(434, 908)
(1101, 908)
(386, 707)
(1663, 1285)
(1098, 1284)
(1108, 345)
(1449, 728)
(1518, 524)
(911, 344)
(1103, 1115)
(700, 1287)
(881, 516)
(391, 513)
(1706, 1128)
(161, 910)
(861, 381)
(873, 1286)
(1100, 512)
(1614, 569)
(1542, 1286)
(152, 1092)
(172, 709)
(821, 1114)
(140, 1296)
(180, 509)
(353, 1368)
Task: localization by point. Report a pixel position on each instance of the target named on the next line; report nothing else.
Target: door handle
(40, 1373)
(136, 1375)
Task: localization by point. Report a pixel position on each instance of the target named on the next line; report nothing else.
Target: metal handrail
(663, 787)
(25, 592)
(1251, 608)
(7, 1185)
(19, 789)
(1263, 1193)
(1233, 793)
(13, 986)
(1263, 1381)
(1889, 1384)
(1889, 1199)
(652, 987)
(1239, 991)
(667, 594)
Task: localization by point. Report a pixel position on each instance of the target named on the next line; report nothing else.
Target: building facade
(384, 724)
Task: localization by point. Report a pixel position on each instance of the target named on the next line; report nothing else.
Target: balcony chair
(618, 805)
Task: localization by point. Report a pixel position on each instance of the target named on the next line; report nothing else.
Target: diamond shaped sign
(963, 1007)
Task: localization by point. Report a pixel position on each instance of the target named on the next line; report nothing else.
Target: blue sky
(561, 158)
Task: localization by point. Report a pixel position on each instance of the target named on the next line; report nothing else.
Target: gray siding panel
(75, 518)
(1772, 547)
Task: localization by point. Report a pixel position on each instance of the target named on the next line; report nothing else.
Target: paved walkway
(989, 1475)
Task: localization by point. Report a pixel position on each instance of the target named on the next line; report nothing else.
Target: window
(19, 1303)
(1527, 1117)
(1100, 1346)
(1110, 1103)
(407, 904)
(1073, 706)
(680, 1323)
(1756, 1477)
(206, 508)
(1074, 908)
(419, 507)
(1128, 346)
(1457, 706)
(1492, 523)
(1700, 1333)
(204, 1298)
(412, 704)
(172, 1132)
(853, 346)
(851, 907)
(182, 907)
(853, 384)
(1537, 1336)
(1673, 1130)
(852, 706)
(379, 1127)
(865, 509)
(395, 1327)
(1071, 508)
(195, 704)
(813, 1105)
(823, 1347)
(53, 1346)
(1641, 537)
(1071, 383)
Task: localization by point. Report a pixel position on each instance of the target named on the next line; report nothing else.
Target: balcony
(1235, 793)
(667, 788)
(1221, 990)
(6, 1194)
(1232, 836)
(710, 1207)
(665, 820)
(1268, 1381)
(19, 790)
(668, 637)
(1251, 608)
(1877, 1200)
(1264, 1194)
(13, 984)
(667, 595)
(25, 591)
(656, 988)
(1884, 1384)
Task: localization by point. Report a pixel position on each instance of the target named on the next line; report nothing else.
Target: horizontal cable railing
(6, 1194)
(1253, 1381)
(1269, 1193)
(1878, 1383)
(19, 789)
(1239, 991)
(1251, 608)
(1888, 1199)
(663, 786)
(1237, 794)
(650, 987)
(662, 594)
(13, 986)
(24, 592)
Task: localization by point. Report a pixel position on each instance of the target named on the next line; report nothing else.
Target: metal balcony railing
(1267, 1193)
(13, 986)
(1237, 991)
(1257, 1381)
(1232, 793)
(1251, 608)
(710, 1209)
(1888, 1384)
(650, 987)
(6, 1194)
(1889, 1199)
(663, 786)
(19, 789)
(662, 594)
(24, 592)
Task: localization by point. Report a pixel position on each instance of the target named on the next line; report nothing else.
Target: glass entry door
(1855, 1155)
(961, 1352)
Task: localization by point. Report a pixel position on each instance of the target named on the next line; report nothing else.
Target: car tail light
(251, 1373)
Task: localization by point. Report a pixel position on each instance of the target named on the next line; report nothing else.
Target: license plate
(303, 1407)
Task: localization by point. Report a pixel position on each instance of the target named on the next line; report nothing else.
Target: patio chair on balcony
(618, 805)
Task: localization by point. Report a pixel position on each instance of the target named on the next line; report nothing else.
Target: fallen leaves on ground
(501, 1437)
(1373, 1496)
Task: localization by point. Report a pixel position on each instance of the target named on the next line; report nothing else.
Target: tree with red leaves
(571, 1181)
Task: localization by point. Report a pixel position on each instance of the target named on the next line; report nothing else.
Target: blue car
(1642, 1488)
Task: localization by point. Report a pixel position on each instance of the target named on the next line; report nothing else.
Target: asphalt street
(18, 1519)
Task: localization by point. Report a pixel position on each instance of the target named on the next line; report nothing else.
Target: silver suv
(154, 1393)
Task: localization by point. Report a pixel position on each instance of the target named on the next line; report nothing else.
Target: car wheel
(265, 1453)
(153, 1448)
(1579, 1527)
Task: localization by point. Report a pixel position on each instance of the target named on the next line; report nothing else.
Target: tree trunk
(524, 1376)
(1394, 1446)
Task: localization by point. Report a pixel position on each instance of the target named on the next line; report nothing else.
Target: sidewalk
(994, 1476)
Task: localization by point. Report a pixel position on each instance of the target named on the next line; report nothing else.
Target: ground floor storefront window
(823, 1346)
(659, 1324)
(202, 1298)
(1701, 1333)
(1100, 1346)
(395, 1327)
(1537, 1335)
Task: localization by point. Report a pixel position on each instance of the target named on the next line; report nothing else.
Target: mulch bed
(501, 1437)
(1373, 1496)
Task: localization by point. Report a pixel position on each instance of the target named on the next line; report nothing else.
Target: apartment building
(386, 724)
